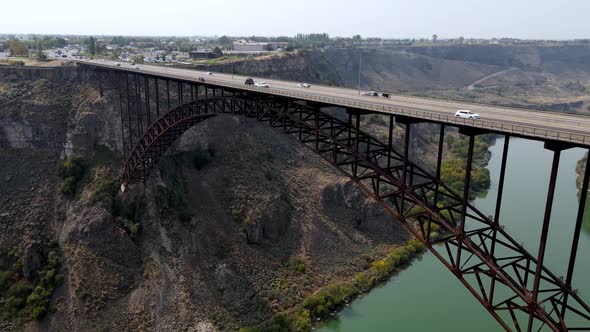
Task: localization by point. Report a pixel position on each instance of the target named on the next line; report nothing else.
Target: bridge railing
(540, 132)
(515, 129)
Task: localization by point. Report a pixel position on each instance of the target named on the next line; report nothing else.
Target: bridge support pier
(441, 142)
(497, 215)
(577, 231)
(543, 241)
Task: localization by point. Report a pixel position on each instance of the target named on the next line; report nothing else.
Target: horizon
(387, 19)
(281, 36)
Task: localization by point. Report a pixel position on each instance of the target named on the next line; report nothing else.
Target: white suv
(261, 85)
(466, 114)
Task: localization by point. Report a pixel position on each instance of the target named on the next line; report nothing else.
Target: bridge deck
(517, 122)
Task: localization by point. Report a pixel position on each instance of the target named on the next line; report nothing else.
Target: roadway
(520, 122)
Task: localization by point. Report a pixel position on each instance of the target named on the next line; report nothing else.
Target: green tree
(92, 45)
(60, 42)
(41, 55)
(121, 41)
(17, 48)
(217, 51)
(224, 40)
(138, 58)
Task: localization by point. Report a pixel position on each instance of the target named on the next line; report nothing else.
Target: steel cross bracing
(519, 293)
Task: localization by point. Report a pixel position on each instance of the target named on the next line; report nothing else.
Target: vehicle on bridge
(304, 85)
(370, 93)
(261, 85)
(249, 81)
(375, 94)
(466, 114)
(209, 73)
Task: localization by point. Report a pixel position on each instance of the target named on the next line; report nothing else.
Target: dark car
(249, 81)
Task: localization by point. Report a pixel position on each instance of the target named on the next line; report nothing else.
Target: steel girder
(499, 272)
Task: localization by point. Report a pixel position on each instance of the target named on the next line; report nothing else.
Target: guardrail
(515, 129)
(527, 131)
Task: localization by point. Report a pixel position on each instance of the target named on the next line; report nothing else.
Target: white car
(304, 85)
(466, 114)
(261, 85)
(209, 73)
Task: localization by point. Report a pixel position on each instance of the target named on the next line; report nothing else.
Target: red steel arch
(503, 276)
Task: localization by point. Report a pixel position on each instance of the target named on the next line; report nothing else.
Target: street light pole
(360, 64)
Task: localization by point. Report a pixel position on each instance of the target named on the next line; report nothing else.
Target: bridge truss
(512, 284)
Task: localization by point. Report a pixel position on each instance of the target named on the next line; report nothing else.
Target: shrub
(131, 228)
(298, 264)
(53, 260)
(38, 301)
(73, 167)
(105, 188)
(68, 187)
(20, 289)
(362, 282)
(128, 216)
(4, 280)
(249, 329)
(72, 172)
(453, 175)
(279, 324)
(329, 298)
(33, 297)
(301, 321)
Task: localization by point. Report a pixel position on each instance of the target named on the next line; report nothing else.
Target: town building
(253, 47)
(202, 54)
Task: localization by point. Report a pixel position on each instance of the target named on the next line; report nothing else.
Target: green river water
(427, 297)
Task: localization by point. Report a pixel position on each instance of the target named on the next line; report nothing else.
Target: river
(427, 297)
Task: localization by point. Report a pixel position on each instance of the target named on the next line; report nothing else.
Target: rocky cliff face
(302, 67)
(572, 61)
(229, 243)
(542, 77)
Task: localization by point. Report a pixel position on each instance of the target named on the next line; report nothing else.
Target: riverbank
(331, 298)
(580, 168)
(328, 300)
(427, 297)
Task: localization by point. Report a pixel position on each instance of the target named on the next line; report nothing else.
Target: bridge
(158, 104)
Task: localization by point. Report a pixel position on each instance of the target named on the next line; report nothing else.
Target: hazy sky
(538, 19)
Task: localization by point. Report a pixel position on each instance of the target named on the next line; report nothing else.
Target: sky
(526, 19)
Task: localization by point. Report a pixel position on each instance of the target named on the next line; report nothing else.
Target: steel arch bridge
(514, 285)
